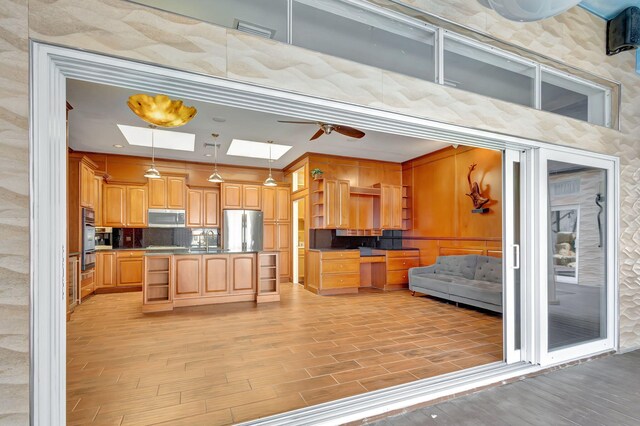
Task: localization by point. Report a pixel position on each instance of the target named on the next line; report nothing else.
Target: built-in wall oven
(88, 254)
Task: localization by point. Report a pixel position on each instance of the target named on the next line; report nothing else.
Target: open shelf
(268, 280)
(157, 279)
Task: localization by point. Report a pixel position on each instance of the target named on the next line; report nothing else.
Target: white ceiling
(97, 109)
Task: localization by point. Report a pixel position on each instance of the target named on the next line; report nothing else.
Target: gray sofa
(470, 279)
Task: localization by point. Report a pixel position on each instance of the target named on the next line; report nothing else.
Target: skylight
(162, 139)
(242, 148)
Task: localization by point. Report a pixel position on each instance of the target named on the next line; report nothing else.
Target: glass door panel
(578, 255)
(512, 255)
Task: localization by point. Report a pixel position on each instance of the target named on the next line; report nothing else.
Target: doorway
(52, 65)
(299, 239)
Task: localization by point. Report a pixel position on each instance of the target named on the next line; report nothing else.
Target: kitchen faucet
(209, 232)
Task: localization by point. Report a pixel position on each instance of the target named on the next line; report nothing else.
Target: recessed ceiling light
(117, 145)
(162, 139)
(219, 119)
(242, 148)
(208, 155)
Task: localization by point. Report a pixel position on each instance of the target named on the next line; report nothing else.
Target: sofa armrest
(431, 269)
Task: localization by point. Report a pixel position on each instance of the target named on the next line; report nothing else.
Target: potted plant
(316, 173)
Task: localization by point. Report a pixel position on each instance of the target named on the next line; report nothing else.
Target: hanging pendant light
(270, 181)
(215, 176)
(152, 172)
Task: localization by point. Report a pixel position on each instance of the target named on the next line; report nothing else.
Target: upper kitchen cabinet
(241, 196)
(113, 206)
(276, 204)
(203, 208)
(97, 198)
(168, 192)
(388, 207)
(330, 204)
(87, 175)
(136, 207)
(124, 206)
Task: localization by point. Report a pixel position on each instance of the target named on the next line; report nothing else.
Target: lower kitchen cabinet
(105, 269)
(187, 271)
(243, 273)
(129, 267)
(215, 271)
(87, 283)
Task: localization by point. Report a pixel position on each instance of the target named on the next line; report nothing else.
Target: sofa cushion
(489, 269)
(429, 282)
(460, 266)
(483, 291)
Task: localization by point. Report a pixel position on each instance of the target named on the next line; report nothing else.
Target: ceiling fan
(326, 129)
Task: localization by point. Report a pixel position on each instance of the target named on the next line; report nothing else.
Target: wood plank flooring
(222, 364)
(600, 392)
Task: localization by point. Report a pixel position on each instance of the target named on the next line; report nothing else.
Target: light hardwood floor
(221, 364)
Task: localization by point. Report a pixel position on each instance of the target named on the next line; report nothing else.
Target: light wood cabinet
(252, 197)
(333, 272)
(113, 209)
(187, 270)
(136, 207)
(331, 201)
(276, 204)
(124, 206)
(168, 192)
(231, 195)
(97, 199)
(393, 274)
(215, 275)
(105, 269)
(211, 212)
(388, 207)
(203, 208)
(242, 273)
(86, 185)
(158, 193)
(129, 267)
(241, 196)
(87, 283)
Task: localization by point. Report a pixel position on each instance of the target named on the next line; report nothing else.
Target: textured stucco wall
(115, 27)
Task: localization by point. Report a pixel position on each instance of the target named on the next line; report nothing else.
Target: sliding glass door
(577, 255)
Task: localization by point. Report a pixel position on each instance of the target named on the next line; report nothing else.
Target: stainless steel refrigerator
(242, 230)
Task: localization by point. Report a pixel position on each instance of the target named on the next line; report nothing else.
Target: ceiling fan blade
(317, 134)
(349, 131)
(297, 122)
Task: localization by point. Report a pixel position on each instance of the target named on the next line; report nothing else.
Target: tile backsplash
(327, 238)
(183, 237)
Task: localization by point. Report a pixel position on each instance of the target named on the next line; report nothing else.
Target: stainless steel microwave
(164, 218)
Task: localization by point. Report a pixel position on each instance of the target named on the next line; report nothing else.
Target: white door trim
(51, 65)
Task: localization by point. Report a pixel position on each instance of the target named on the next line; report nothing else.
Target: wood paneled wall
(124, 168)
(358, 172)
(442, 222)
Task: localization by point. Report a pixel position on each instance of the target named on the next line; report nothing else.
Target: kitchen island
(180, 278)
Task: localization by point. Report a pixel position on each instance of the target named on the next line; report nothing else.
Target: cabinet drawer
(340, 280)
(87, 279)
(397, 277)
(340, 266)
(403, 253)
(351, 254)
(401, 263)
(132, 253)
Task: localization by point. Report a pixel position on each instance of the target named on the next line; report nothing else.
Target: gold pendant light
(215, 176)
(152, 172)
(161, 110)
(270, 181)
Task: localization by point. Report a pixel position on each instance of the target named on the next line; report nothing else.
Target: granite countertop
(332, 249)
(187, 252)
